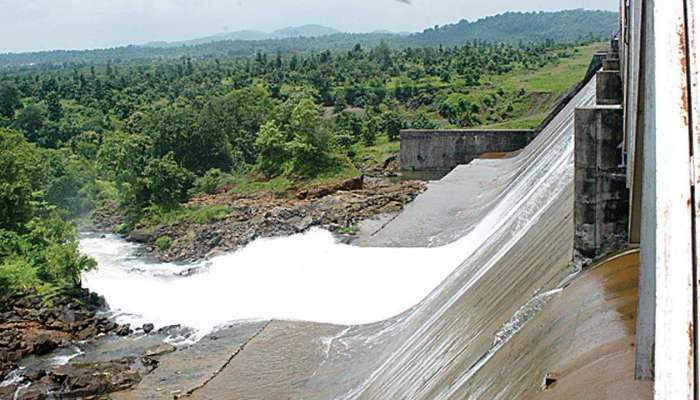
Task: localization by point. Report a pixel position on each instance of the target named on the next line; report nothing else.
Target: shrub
(208, 183)
(163, 243)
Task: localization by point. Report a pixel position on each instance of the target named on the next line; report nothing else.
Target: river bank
(240, 218)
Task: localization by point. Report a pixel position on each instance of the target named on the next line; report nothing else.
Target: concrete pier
(601, 195)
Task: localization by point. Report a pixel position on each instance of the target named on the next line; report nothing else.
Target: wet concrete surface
(191, 367)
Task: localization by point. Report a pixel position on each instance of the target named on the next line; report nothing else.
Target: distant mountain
(563, 27)
(304, 31)
(511, 27)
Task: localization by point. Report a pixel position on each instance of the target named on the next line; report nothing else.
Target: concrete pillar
(608, 88)
(601, 199)
(611, 64)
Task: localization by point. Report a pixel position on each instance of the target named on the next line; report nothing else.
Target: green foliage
(272, 150)
(166, 181)
(20, 180)
(394, 123)
(31, 120)
(38, 249)
(45, 257)
(371, 130)
(9, 99)
(310, 148)
(164, 242)
(423, 121)
(237, 117)
(208, 183)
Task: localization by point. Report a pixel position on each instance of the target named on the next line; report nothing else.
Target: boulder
(94, 379)
(124, 330)
(147, 328)
(43, 344)
(143, 235)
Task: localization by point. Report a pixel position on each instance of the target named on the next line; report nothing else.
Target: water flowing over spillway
(308, 277)
(505, 253)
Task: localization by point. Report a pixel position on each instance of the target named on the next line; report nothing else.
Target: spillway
(435, 350)
(509, 310)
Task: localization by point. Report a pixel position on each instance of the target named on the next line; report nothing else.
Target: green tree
(394, 124)
(272, 149)
(9, 99)
(20, 180)
(373, 127)
(31, 120)
(166, 182)
(238, 117)
(310, 148)
(53, 107)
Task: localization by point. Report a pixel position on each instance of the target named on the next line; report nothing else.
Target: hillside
(512, 27)
(571, 26)
(304, 31)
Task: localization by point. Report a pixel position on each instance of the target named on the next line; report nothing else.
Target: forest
(134, 140)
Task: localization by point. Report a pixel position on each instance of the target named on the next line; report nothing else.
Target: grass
(555, 79)
(249, 184)
(164, 242)
(380, 151)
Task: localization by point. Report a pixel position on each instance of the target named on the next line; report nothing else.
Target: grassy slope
(555, 79)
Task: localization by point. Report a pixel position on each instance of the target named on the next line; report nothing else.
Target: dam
(564, 270)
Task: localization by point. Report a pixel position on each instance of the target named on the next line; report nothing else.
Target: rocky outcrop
(338, 208)
(31, 326)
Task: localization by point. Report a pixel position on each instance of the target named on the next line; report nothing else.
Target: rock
(36, 391)
(143, 235)
(353, 184)
(303, 224)
(87, 333)
(7, 392)
(34, 374)
(43, 344)
(94, 379)
(124, 330)
(391, 159)
(159, 350)
(147, 328)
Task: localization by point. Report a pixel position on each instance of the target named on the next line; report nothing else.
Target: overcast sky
(28, 25)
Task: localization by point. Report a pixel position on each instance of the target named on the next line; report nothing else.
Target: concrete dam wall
(442, 150)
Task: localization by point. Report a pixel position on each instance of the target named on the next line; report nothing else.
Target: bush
(163, 243)
(166, 182)
(208, 183)
(272, 150)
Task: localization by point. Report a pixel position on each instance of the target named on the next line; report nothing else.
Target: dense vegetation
(38, 248)
(134, 140)
(572, 26)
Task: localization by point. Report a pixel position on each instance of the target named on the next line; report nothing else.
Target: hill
(304, 31)
(573, 26)
(511, 27)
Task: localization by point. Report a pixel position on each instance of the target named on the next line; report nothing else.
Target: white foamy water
(310, 277)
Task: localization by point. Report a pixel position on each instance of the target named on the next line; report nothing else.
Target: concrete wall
(440, 150)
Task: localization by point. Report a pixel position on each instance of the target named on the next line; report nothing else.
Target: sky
(31, 25)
